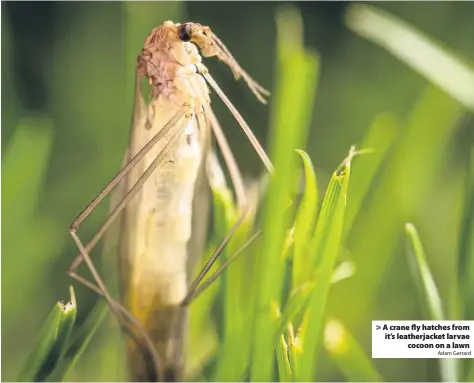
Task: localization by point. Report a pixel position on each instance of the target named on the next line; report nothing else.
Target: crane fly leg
(123, 315)
(237, 181)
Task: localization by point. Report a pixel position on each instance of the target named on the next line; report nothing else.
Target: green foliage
(379, 138)
(424, 276)
(323, 248)
(284, 367)
(58, 348)
(297, 72)
(78, 342)
(430, 295)
(423, 54)
(51, 344)
(305, 220)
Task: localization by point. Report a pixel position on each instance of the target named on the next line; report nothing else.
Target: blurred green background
(67, 87)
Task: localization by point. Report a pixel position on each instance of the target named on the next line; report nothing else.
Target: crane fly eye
(184, 32)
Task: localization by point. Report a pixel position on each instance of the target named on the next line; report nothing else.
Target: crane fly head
(199, 35)
(176, 39)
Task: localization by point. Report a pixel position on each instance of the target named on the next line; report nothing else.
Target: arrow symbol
(377, 327)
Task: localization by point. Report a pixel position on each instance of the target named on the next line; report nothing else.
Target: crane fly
(166, 150)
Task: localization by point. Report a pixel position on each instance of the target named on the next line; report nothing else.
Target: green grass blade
(430, 291)
(448, 366)
(294, 351)
(378, 139)
(283, 363)
(66, 324)
(305, 220)
(297, 72)
(44, 344)
(325, 247)
(348, 354)
(51, 343)
(79, 341)
(418, 51)
(294, 306)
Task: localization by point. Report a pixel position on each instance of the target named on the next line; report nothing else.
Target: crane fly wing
(130, 215)
(201, 202)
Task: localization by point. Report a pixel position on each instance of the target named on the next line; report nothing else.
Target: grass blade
(79, 341)
(51, 343)
(423, 273)
(305, 219)
(378, 139)
(297, 72)
(431, 296)
(294, 350)
(284, 369)
(294, 306)
(416, 50)
(66, 324)
(325, 247)
(44, 344)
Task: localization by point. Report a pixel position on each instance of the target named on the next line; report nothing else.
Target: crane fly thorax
(170, 60)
